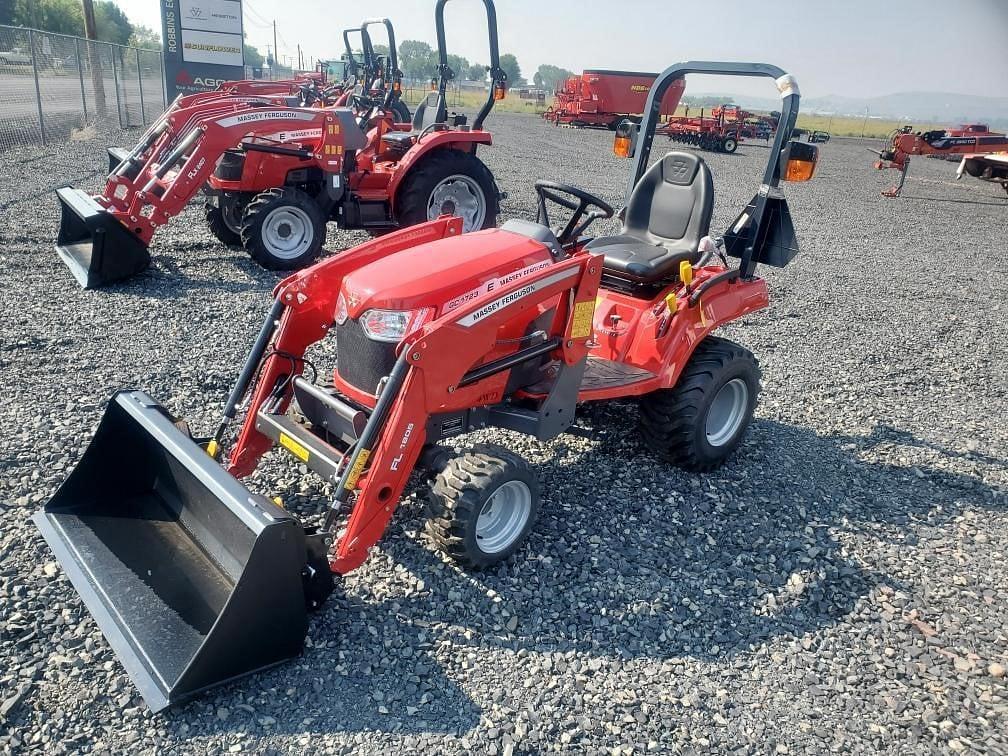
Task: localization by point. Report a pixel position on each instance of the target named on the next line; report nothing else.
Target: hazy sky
(844, 47)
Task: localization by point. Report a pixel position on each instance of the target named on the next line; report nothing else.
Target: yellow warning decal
(294, 447)
(357, 469)
(581, 322)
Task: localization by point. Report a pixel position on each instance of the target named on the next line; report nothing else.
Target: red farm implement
(953, 144)
(195, 580)
(602, 99)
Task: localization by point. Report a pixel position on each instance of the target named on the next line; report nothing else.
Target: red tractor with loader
(943, 143)
(195, 580)
(289, 170)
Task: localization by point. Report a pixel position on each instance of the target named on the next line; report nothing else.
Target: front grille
(362, 362)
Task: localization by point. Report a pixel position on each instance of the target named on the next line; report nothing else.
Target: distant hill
(946, 108)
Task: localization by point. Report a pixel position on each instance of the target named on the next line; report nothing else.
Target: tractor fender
(724, 303)
(464, 141)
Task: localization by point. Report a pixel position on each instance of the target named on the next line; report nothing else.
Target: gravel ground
(841, 583)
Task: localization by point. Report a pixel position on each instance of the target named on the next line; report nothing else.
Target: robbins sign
(202, 44)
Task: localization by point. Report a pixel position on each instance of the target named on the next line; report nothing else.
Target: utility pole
(300, 63)
(276, 50)
(94, 60)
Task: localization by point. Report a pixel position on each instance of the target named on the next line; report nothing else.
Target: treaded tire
(729, 144)
(415, 191)
(459, 493)
(674, 421)
(219, 226)
(257, 213)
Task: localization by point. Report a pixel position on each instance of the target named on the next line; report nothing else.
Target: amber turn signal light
(500, 91)
(800, 161)
(621, 146)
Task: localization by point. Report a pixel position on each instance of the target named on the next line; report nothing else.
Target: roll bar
(367, 55)
(393, 74)
(786, 84)
(497, 76)
(768, 191)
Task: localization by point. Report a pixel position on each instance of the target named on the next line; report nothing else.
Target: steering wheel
(588, 206)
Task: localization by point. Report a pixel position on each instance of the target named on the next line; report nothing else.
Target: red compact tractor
(604, 99)
(289, 170)
(951, 144)
(195, 580)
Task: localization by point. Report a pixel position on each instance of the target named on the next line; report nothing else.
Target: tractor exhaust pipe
(193, 580)
(95, 246)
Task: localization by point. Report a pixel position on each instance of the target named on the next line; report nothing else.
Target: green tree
(549, 77)
(476, 72)
(111, 23)
(458, 64)
(145, 38)
(60, 16)
(509, 63)
(253, 57)
(416, 59)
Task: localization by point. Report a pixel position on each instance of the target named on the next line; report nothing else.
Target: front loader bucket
(193, 580)
(116, 156)
(96, 247)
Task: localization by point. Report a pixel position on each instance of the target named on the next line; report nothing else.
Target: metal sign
(203, 44)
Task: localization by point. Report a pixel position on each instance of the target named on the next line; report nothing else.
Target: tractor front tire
(283, 229)
(701, 420)
(483, 505)
(227, 228)
(729, 144)
(449, 181)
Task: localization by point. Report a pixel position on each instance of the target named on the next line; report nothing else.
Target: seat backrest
(672, 203)
(428, 111)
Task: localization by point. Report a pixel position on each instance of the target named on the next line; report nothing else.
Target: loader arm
(169, 179)
(443, 370)
(309, 300)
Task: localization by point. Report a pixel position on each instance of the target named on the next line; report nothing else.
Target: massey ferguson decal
(493, 284)
(297, 136)
(489, 309)
(267, 115)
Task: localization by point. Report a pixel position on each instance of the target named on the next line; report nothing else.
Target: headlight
(393, 325)
(341, 310)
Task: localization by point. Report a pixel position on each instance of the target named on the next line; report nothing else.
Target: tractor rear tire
(444, 181)
(700, 421)
(283, 229)
(483, 505)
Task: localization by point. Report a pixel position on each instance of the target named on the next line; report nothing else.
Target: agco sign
(205, 44)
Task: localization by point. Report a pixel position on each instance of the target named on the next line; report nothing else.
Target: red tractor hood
(444, 274)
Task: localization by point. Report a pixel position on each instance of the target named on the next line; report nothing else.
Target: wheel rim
(730, 145)
(727, 412)
(287, 232)
(459, 195)
(503, 517)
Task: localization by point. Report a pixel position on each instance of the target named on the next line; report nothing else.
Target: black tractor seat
(426, 115)
(668, 213)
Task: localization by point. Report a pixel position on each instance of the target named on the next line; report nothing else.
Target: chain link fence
(53, 85)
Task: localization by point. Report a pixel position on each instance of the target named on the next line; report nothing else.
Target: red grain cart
(599, 98)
